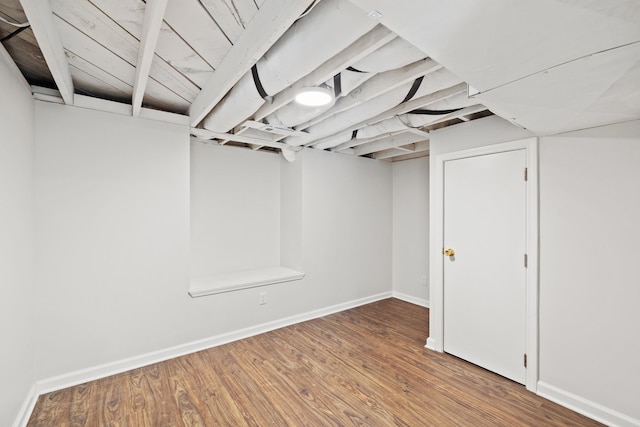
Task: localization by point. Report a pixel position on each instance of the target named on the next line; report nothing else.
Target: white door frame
(436, 273)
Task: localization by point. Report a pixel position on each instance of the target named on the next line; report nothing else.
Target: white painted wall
(235, 209)
(112, 218)
(291, 214)
(589, 252)
(589, 206)
(113, 221)
(411, 229)
(347, 221)
(17, 241)
(477, 133)
(112, 214)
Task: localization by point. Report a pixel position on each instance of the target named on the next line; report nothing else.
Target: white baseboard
(590, 409)
(408, 298)
(433, 345)
(586, 407)
(27, 407)
(108, 369)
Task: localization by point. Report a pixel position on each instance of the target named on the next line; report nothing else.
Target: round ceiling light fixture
(314, 96)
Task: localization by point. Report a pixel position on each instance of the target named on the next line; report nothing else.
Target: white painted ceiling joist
(40, 18)
(389, 154)
(410, 156)
(460, 114)
(209, 135)
(457, 114)
(153, 16)
(390, 142)
(280, 131)
(376, 86)
(418, 147)
(405, 107)
(270, 22)
(368, 43)
(354, 142)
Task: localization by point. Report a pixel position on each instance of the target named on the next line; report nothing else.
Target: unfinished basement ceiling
(397, 72)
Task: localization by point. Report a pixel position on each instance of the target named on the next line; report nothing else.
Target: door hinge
(526, 260)
(525, 360)
(526, 174)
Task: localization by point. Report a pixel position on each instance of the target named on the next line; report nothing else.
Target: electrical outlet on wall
(423, 280)
(263, 298)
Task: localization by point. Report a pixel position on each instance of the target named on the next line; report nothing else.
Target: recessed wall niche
(242, 226)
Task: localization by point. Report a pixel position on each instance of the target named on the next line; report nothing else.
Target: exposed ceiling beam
(366, 44)
(418, 147)
(410, 156)
(460, 114)
(377, 85)
(416, 103)
(270, 22)
(356, 141)
(457, 114)
(402, 108)
(391, 142)
(40, 18)
(208, 135)
(388, 154)
(281, 131)
(153, 16)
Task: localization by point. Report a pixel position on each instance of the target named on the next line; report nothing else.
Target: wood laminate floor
(366, 366)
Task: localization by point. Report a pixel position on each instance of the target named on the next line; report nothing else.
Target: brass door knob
(449, 252)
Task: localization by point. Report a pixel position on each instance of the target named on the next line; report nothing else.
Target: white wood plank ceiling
(234, 66)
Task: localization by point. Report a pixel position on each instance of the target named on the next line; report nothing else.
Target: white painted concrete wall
(235, 209)
(589, 252)
(16, 242)
(411, 229)
(113, 221)
(589, 210)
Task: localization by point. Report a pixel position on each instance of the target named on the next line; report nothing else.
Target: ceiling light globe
(314, 96)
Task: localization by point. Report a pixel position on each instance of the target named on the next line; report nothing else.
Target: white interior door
(485, 281)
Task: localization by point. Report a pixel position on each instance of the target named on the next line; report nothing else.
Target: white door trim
(436, 274)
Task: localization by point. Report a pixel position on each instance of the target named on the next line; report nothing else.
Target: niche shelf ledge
(219, 283)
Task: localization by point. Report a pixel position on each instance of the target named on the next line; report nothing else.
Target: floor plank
(366, 366)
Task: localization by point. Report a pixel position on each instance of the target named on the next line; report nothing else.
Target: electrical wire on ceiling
(306, 12)
(13, 34)
(15, 24)
(433, 112)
